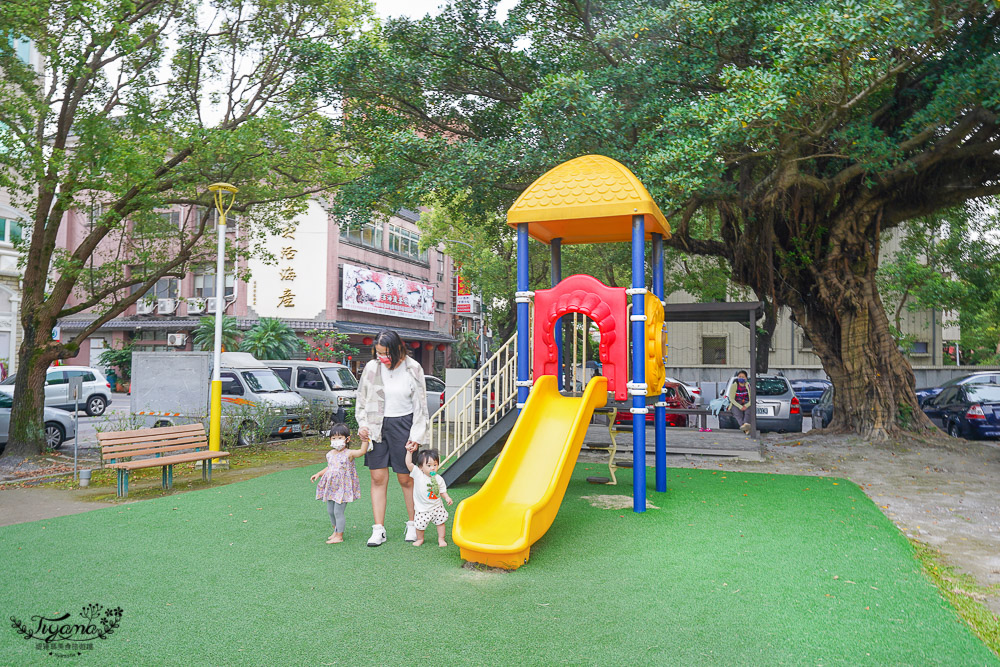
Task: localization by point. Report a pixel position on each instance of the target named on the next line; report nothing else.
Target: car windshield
(264, 382)
(9, 380)
(771, 387)
(984, 393)
(340, 378)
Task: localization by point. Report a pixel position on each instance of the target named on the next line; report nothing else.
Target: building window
(439, 306)
(805, 344)
(173, 218)
(919, 349)
(713, 350)
(22, 48)
(368, 235)
(11, 230)
(204, 284)
(165, 288)
(405, 242)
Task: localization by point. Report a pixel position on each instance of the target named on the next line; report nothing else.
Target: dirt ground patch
(944, 492)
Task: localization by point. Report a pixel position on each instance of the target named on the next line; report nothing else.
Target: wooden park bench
(165, 446)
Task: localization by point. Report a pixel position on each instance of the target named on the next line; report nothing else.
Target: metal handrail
(459, 423)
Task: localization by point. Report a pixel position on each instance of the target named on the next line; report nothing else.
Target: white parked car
(58, 424)
(96, 390)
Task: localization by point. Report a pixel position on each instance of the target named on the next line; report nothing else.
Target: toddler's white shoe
(411, 532)
(378, 535)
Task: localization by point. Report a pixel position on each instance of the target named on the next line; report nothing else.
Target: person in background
(739, 401)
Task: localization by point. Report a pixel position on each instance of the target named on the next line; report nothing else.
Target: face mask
(384, 359)
(741, 381)
(338, 443)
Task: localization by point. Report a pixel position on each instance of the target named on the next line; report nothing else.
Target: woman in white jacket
(391, 409)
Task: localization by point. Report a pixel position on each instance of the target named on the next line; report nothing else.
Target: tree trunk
(26, 436)
(764, 336)
(849, 329)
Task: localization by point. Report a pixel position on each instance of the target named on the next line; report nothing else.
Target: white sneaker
(411, 532)
(378, 535)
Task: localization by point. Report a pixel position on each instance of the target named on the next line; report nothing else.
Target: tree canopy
(783, 137)
(140, 106)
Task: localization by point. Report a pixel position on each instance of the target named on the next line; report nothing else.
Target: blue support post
(638, 367)
(660, 412)
(556, 269)
(523, 335)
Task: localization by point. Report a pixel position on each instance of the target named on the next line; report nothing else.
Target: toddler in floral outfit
(338, 481)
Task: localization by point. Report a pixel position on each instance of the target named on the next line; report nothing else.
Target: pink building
(352, 281)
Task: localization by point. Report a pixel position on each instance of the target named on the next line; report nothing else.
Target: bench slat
(163, 430)
(168, 460)
(115, 438)
(190, 442)
(152, 450)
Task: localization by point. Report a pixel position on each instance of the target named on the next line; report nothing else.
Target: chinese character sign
(385, 294)
(463, 298)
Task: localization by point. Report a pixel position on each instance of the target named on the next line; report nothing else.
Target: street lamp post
(219, 191)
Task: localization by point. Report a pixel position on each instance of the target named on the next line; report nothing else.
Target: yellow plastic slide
(518, 502)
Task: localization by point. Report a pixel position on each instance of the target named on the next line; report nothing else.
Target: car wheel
(954, 431)
(55, 435)
(96, 406)
(246, 435)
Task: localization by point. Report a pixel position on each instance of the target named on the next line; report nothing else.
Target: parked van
(330, 384)
(174, 388)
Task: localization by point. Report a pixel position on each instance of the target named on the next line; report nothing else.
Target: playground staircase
(472, 426)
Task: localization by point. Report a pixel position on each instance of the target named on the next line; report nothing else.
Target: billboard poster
(371, 291)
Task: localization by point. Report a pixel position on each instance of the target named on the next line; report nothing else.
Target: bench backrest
(151, 441)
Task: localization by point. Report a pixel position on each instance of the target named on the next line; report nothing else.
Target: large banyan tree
(785, 137)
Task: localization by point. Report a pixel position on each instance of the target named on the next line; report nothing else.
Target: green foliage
(271, 339)
(779, 138)
(326, 345)
(139, 108)
(466, 350)
(204, 334)
(950, 262)
(119, 358)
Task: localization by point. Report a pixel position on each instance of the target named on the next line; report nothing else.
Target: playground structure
(591, 199)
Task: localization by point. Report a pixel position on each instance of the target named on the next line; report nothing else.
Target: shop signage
(371, 291)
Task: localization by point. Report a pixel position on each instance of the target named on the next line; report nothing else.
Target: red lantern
(428, 346)
(442, 347)
(367, 340)
(415, 345)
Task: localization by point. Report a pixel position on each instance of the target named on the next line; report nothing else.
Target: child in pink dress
(338, 481)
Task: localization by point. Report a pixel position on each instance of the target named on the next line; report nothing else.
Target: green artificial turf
(735, 569)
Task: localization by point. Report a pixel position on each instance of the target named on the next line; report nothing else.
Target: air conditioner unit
(144, 307)
(177, 340)
(210, 305)
(196, 306)
(166, 306)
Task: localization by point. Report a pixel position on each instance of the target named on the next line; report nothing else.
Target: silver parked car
(435, 393)
(778, 409)
(58, 424)
(96, 389)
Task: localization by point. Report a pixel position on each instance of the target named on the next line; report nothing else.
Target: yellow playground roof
(590, 199)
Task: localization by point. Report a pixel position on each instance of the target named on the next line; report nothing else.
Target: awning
(137, 322)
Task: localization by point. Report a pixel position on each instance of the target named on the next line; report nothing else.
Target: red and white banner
(463, 297)
(373, 291)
